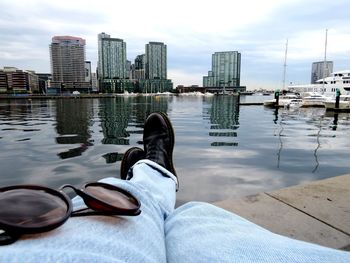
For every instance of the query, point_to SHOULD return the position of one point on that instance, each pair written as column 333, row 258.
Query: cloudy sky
column 192, row 30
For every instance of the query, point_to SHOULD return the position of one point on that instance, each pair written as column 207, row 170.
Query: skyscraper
column 68, row 62
column 112, row 68
column 226, row 70
column 318, row 68
column 156, row 61
column 139, row 67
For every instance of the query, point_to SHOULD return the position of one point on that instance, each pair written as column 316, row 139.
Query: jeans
column 194, row 232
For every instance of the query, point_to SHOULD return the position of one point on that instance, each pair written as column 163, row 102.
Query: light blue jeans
column 194, row 232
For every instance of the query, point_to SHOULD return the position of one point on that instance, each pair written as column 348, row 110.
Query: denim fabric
column 200, row 232
column 195, row 232
column 106, row 238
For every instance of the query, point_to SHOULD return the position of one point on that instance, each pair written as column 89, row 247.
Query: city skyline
column 191, row 31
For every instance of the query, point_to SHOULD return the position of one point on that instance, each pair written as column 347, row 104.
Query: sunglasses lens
column 112, row 196
column 31, row 208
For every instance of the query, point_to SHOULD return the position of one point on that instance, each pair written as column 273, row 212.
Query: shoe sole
column 172, row 138
column 123, row 171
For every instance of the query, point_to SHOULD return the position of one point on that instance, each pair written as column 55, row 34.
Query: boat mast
column 285, row 66
column 325, row 59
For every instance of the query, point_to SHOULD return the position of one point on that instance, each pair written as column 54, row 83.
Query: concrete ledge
column 317, row 212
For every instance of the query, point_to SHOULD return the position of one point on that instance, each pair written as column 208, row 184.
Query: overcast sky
column 192, row 30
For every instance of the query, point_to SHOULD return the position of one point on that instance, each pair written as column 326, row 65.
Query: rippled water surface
column 221, row 150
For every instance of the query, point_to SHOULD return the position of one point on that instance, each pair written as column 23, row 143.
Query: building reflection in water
column 125, row 115
column 24, row 116
column 23, row 110
column 74, row 118
column 114, row 114
column 224, row 120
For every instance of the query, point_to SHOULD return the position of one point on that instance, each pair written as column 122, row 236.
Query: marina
column 223, row 148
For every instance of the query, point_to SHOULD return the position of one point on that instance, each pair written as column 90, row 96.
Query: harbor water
column 222, row 149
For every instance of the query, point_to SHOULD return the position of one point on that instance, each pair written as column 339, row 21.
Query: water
column 221, row 150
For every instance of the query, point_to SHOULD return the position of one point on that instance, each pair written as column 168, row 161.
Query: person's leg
column 114, row 239
column 107, row 238
column 200, row 232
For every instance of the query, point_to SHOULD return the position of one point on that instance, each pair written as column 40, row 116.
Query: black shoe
column 159, row 140
column 132, row 156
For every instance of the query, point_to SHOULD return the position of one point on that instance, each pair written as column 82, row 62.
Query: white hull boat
column 314, row 100
column 283, row 101
column 344, row 103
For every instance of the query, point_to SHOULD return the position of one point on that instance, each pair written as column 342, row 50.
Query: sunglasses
column 30, row 209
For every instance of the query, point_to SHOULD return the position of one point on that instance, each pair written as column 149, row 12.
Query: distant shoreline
column 80, row 96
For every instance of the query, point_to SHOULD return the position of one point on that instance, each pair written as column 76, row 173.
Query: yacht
column 315, row 100
column 326, row 86
column 284, row 100
column 344, row 103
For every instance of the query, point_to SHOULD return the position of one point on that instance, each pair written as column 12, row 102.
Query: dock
column 316, row 212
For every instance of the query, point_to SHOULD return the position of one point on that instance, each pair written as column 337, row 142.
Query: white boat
column 295, row 103
column 315, row 100
column 338, row 79
column 344, row 103
column 283, row 101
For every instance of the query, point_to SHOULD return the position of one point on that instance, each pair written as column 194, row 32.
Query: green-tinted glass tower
column 226, row 70
column 112, row 68
column 156, row 61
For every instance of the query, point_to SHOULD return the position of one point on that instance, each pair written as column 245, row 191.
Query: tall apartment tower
column 67, row 62
column 139, row 67
column 156, row 61
column 318, row 68
column 111, row 57
column 111, row 62
column 88, row 71
column 226, row 70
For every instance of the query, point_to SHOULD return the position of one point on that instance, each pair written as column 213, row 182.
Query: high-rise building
column 68, row 63
column 94, row 82
column 226, row 70
column 112, row 69
column 138, row 70
column 318, row 68
column 153, row 64
column 128, row 69
column 88, row 71
column 156, row 61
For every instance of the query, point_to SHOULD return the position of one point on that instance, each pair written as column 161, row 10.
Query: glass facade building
column 318, row 68
column 117, row 75
column 226, row 70
column 111, row 57
column 156, row 61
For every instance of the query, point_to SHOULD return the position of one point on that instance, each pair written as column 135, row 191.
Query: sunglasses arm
column 7, row 238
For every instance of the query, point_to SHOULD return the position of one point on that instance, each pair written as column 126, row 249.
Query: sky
column 192, row 30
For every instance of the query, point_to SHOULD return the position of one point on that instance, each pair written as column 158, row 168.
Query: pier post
column 239, row 97
column 337, row 98
column 277, row 96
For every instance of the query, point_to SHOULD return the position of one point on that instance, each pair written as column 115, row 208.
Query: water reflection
column 73, row 122
column 318, row 121
column 221, row 150
column 113, row 157
column 224, row 117
column 121, row 113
